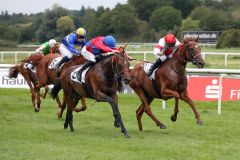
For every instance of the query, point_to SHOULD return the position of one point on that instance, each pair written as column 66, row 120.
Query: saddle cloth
column 30, row 66
column 146, row 67
column 54, row 63
column 74, row 74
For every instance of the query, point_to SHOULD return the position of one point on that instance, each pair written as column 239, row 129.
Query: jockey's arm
column 40, row 49
column 71, row 47
column 158, row 50
column 103, row 47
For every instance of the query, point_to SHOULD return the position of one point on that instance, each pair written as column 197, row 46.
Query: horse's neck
column 178, row 62
column 107, row 67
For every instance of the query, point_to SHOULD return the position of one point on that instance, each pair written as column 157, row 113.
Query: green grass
column 28, row 135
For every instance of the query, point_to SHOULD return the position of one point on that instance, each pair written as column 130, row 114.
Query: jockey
column 47, row 47
column 95, row 47
column 164, row 50
column 67, row 47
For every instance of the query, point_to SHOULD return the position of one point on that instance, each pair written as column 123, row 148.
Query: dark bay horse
column 100, row 84
column 170, row 82
column 31, row 79
column 48, row 76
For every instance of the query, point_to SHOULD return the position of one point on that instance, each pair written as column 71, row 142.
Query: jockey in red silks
column 95, row 47
column 164, row 50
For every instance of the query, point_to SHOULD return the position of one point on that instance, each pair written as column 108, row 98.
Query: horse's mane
column 34, row 59
column 189, row 39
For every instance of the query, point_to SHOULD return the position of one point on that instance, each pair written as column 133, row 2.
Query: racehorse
column 31, row 79
column 47, row 76
column 101, row 83
column 170, row 82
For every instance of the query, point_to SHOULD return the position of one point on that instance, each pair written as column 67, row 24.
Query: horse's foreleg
column 69, row 97
column 169, row 93
column 187, row 99
column 117, row 115
column 174, row 115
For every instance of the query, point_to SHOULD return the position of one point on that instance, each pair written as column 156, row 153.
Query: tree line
column 136, row 21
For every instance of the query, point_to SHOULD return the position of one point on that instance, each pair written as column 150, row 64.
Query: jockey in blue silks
column 67, row 47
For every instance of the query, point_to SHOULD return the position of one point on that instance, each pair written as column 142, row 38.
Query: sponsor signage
column 201, row 88
column 6, row 82
column 204, row 88
column 203, row 36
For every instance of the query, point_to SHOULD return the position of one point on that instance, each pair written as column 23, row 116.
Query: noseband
column 116, row 72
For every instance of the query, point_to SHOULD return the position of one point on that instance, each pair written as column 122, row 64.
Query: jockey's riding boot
column 154, row 66
column 63, row 60
column 85, row 66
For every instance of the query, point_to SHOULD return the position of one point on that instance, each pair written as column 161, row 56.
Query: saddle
column 75, row 72
column 146, row 67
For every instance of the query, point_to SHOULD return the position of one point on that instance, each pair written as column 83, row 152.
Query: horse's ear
column 125, row 46
column 197, row 38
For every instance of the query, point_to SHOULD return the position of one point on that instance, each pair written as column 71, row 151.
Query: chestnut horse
column 31, row 79
column 170, row 82
column 101, row 83
column 48, row 76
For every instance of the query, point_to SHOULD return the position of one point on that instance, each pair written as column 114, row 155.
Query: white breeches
column 88, row 55
column 65, row 52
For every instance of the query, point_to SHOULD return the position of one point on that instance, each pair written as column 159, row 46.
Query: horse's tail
column 13, row 71
column 56, row 88
column 34, row 59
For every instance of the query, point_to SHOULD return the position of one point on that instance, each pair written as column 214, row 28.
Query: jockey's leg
column 156, row 64
column 63, row 60
column 85, row 66
column 66, row 54
column 91, row 61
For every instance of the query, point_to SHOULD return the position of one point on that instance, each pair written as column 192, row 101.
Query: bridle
column 116, row 71
column 190, row 51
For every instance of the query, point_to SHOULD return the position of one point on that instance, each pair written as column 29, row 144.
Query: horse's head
column 122, row 64
column 193, row 52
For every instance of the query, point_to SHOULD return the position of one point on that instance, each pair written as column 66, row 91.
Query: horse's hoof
column 200, row 122
column 173, row 118
column 65, row 126
column 116, row 124
column 162, row 126
column 72, row 129
column 127, row 136
column 59, row 113
column 36, row 110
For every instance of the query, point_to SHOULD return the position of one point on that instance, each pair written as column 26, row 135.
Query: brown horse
column 100, row 84
column 170, row 82
column 31, row 79
column 48, row 76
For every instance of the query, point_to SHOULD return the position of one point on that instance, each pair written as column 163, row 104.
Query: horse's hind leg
column 84, row 106
column 146, row 102
column 46, row 91
column 61, row 108
column 174, row 115
column 139, row 113
column 187, row 99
